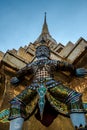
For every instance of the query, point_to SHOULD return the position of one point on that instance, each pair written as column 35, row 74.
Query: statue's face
column 42, row 51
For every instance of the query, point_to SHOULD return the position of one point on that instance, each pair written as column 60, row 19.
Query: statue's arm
column 25, row 70
column 21, row 73
column 65, row 66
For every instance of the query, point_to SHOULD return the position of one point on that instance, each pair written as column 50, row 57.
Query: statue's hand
column 81, row 72
column 14, row 80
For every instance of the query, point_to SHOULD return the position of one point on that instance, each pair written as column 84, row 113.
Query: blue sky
column 21, row 21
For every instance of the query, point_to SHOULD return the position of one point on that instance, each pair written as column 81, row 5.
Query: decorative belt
column 41, row 86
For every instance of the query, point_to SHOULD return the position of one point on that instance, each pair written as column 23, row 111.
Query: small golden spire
column 45, row 18
column 45, row 26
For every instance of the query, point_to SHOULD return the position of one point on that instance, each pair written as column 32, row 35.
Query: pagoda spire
column 45, row 35
column 45, row 26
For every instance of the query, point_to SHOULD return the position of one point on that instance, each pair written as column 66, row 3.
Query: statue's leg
column 73, row 101
column 17, row 109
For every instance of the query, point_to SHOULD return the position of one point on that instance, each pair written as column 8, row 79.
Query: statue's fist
column 80, row 72
column 14, row 80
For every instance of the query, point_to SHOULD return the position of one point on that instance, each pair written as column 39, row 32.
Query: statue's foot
column 81, row 128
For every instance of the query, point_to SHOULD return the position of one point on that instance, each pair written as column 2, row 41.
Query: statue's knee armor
column 17, row 109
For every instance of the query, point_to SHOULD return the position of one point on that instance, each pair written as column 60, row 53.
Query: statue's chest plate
column 41, row 65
